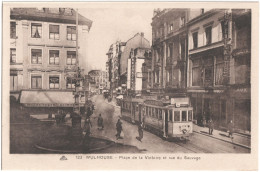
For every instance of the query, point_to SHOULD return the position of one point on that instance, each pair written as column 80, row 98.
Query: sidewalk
column 238, row 139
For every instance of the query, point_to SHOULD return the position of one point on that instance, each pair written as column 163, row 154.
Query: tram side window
column 190, row 115
column 177, row 116
column 160, row 114
column 153, row 110
column 147, row 113
column 184, row 115
column 170, row 115
column 156, row 113
column 150, row 111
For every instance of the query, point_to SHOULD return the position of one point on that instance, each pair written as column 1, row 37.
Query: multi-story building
column 219, row 67
column 113, row 63
column 137, row 41
column 169, row 50
column 43, row 49
column 135, row 73
column 204, row 54
column 98, row 79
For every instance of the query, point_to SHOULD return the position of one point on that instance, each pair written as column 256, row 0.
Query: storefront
column 48, row 101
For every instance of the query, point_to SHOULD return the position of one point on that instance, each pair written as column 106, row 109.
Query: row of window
column 176, row 116
column 160, row 31
column 54, row 82
column 54, row 56
column 208, row 34
column 54, row 31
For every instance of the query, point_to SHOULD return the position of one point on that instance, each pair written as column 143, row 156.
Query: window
column 170, row 115
column 36, row 56
column 13, row 83
column 242, row 69
column 196, row 72
column 195, row 39
column 54, row 57
column 54, row 82
column 36, row 31
column 182, row 22
column 13, row 55
column 219, row 70
column 70, row 83
column 208, row 35
column 36, row 82
column 190, row 115
column 71, row 33
column 54, row 32
column 171, row 28
column 13, row 30
column 160, row 114
column 71, row 57
column 208, row 76
column 177, row 116
column 184, row 115
column 223, row 29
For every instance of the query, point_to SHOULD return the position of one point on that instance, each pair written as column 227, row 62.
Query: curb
column 244, row 146
column 71, row 151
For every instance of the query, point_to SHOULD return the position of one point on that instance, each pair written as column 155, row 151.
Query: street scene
column 170, row 80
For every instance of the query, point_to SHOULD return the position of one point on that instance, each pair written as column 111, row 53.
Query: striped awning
column 48, row 98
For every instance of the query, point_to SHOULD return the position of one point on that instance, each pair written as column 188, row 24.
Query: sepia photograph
column 101, row 81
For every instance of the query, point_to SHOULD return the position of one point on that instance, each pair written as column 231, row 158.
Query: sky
column 110, row 25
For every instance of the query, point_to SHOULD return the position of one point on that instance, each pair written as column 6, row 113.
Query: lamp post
column 76, row 117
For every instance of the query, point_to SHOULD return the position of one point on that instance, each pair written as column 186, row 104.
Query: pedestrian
column 204, row 122
column 119, row 129
column 140, row 132
column 87, row 127
column 211, row 126
column 230, row 128
column 100, row 122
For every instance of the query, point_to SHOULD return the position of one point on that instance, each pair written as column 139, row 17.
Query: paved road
column 151, row 143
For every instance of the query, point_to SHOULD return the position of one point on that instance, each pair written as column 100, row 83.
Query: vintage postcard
column 130, row 86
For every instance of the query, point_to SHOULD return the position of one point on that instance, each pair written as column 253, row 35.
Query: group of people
column 211, row 126
column 119, row 128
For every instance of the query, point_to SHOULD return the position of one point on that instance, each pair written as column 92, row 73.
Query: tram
column 169, row 119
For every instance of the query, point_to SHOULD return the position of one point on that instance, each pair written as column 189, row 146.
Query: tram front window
column 184, row 115
column 189, row 115
column 177, row 116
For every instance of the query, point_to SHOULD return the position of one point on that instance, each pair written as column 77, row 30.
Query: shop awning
column 48, row 98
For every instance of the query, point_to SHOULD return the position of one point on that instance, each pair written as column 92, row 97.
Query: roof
column 61, row 15
column 47, row 98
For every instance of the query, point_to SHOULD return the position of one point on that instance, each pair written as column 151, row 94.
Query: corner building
column 43, row 50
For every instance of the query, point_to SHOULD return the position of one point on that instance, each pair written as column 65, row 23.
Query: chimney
column 142, row 34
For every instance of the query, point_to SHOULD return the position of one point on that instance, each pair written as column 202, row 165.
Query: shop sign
column 47, row 105
column 241, row 90
column 238, row 52
column 154, row 102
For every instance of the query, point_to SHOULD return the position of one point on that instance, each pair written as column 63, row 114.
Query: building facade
column 170, row 50
column 219, row 67
column 43, row 48
column 137, row 41
column 135, row 72
column 98, row 80
column 206, row 55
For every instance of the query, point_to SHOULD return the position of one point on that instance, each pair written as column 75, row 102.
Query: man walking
column 119, row 129
column 211, row 126
column 140, row 132
column 100, row 122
